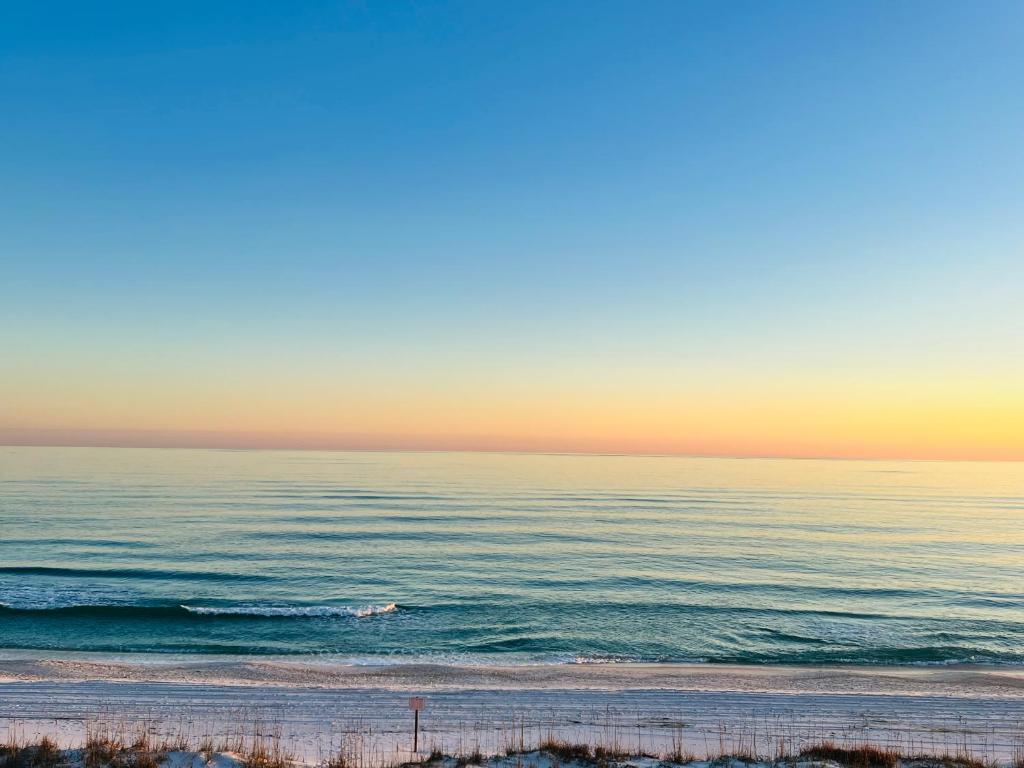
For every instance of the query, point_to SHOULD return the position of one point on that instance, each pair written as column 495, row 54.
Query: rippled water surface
column 510, row 558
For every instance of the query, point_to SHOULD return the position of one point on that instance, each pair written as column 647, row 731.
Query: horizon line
column 339, row 443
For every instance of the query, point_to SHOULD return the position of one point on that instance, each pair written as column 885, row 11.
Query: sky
column 714, row 228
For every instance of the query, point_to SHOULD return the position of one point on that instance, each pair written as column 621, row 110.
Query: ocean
column 505, row 559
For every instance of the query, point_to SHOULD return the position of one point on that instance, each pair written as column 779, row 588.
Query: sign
column 416, row 704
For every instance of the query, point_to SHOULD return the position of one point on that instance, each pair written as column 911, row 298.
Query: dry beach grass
column 256, row 746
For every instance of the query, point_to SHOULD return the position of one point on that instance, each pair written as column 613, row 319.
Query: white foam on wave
column 293, row 610
column 375, row 610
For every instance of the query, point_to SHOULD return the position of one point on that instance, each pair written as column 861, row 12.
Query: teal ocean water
column 507, row 559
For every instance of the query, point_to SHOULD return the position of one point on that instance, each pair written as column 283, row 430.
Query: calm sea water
column 367, row 557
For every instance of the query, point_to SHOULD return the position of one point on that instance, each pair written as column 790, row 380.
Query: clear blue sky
column 506, row 204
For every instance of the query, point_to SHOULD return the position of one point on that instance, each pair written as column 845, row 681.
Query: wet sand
column 957, row 681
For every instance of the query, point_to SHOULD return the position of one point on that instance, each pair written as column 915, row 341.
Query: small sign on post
column 416, row 704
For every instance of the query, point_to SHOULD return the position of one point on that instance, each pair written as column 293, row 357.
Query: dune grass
column 43, row 754
column 263, row 748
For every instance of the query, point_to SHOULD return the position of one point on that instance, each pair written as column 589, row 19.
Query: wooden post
column 416, row 704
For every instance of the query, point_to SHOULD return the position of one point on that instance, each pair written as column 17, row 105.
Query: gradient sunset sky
column 725, row 228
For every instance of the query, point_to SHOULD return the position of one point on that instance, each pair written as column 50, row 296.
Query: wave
column 917, row 656
column 793, row 637
column 293, row 611
column 250, row 611
column 129, row 573
column 78, row 543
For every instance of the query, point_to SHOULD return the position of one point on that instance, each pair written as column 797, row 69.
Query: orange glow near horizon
column 879, row 424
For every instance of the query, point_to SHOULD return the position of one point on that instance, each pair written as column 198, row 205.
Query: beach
column 646, row 604
column 314, row 707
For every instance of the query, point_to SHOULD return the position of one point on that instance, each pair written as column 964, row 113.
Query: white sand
column 316, row 707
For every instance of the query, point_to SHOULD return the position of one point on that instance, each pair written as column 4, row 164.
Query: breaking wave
column 291, row 611
column 254, row 611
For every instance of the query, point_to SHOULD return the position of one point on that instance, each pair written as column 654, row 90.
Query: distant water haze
column 369, row 557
